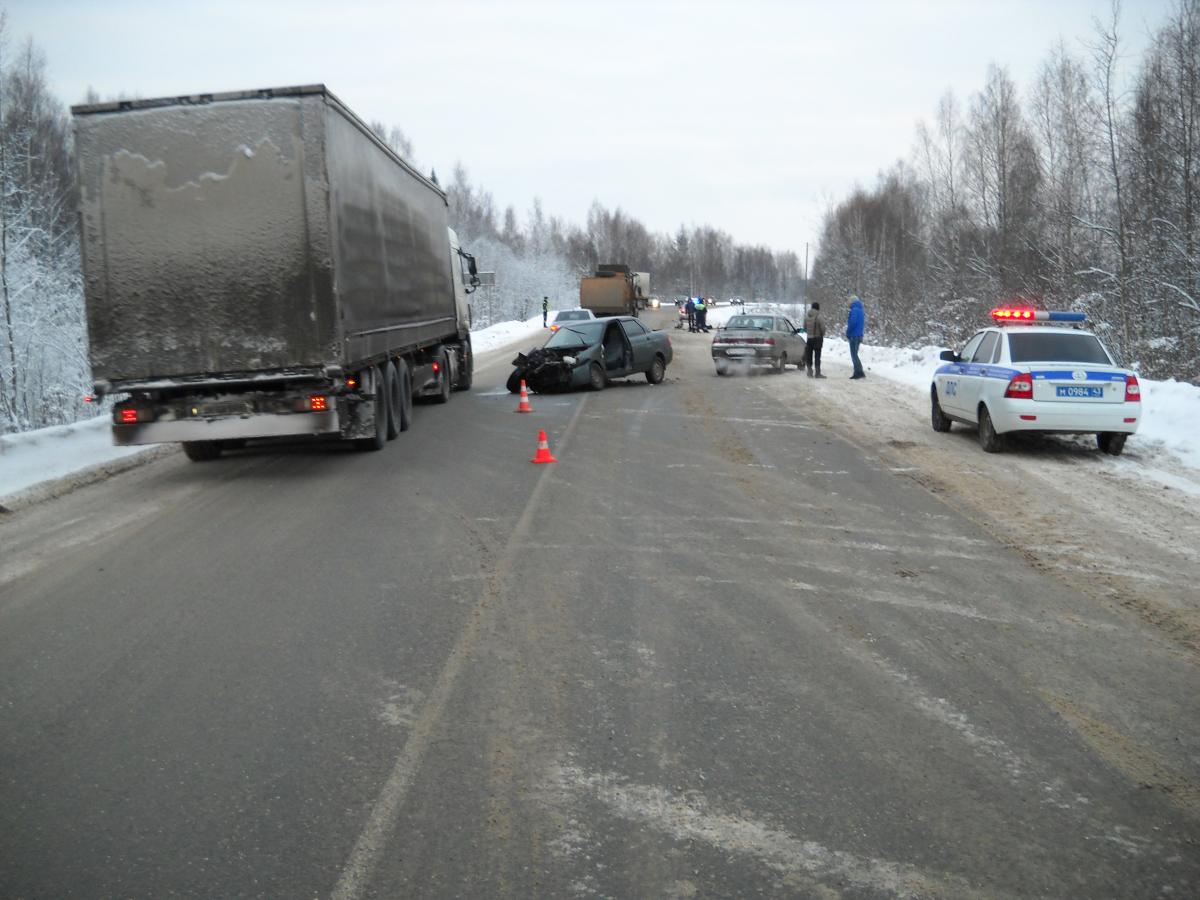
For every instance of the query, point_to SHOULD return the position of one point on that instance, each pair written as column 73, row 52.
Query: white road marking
column 372, row 841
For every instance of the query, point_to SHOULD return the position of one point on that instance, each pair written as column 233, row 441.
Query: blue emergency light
column 1006, row 314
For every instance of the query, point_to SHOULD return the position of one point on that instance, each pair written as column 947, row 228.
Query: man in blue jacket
column 855, row 325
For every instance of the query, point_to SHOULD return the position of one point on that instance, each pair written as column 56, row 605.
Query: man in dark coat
column 815, row 329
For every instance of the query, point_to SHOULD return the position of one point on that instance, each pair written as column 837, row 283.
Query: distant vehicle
column 570, row 315
column 592, row 353
column 1032, row 372
column 758, row 340
column 612, row 291
column 261, row 264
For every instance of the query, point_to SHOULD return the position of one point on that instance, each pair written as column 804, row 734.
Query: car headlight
column 569, row 360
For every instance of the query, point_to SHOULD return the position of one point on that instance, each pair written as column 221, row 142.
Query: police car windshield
column 577, row 335
column 1057, row 347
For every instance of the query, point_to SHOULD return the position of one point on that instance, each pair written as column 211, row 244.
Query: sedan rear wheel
column 777, row 368
column 1111, row 443
column 988, row 439
column 657, row 371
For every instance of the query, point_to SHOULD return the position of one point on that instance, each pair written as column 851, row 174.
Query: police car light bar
column 1004, row 314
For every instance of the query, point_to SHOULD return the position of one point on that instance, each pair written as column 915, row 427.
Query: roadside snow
column 1170, row 423
column 49, row 453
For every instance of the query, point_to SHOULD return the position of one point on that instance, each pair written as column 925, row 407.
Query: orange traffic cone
column 524, row 406
column 543, row 454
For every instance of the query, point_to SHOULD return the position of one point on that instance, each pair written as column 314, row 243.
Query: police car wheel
column 941, row 422
column 988, row 439
column 1111, row 443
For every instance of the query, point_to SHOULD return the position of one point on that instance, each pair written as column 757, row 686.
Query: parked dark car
column 590, row 354
column 758, row 339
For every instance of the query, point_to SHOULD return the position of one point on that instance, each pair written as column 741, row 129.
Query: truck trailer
column 611, row 291
column 260, row 264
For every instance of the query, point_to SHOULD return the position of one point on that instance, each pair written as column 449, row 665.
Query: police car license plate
column 1070, row 390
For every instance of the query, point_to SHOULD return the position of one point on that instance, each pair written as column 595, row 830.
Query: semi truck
column 612, row 291
column 260, row 264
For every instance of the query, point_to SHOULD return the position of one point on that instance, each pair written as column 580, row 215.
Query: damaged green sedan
column 590, row 354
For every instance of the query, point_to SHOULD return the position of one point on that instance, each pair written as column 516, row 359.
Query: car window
column 1057, row 347
column 786, row 325
column 969, row 350
column 984, row 353
column 572, row 315
column 633, row 328
column 999, row 348
column 577, row 334
column 753, row 323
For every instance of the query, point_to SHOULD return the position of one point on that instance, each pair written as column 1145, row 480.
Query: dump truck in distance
column 612, row 291
column 260, row 264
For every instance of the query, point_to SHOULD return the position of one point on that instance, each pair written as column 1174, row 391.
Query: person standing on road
column 815, row 329
column 856, row 324
column 701, row 314
column 545, row 310
column 691, row 313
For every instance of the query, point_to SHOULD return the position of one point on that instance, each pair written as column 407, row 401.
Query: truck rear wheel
column 379, row 439
column 404, row 386
column 392, row 386
column 201, row 451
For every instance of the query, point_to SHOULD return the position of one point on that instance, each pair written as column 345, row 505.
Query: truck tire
column 404, row 386
column 466, row 375
column 443, row 394
column 379, row 439
column 201, row 451
column 392, row 384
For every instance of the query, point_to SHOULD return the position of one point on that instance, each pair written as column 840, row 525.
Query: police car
column 1036, row 371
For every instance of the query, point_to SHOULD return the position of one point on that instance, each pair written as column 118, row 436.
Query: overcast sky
column 750, row 116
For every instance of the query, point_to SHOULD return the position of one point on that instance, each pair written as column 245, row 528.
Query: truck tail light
column 1020, row 387
column 1133, row 390
column 318, row 403
column 131, row 415
column 437, row 367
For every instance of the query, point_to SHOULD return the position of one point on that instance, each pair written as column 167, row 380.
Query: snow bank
column 46, row 454
column 1170, row 409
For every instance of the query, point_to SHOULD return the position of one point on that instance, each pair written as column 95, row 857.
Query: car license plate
column 1070, row 390
column 740, row 351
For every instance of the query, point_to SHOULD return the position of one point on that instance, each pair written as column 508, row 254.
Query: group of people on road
column 856, row 322
column 696, row 311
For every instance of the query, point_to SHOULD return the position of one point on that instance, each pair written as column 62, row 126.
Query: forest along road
column 727, row 645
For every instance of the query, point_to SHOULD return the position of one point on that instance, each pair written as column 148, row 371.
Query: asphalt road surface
column 714, row 651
